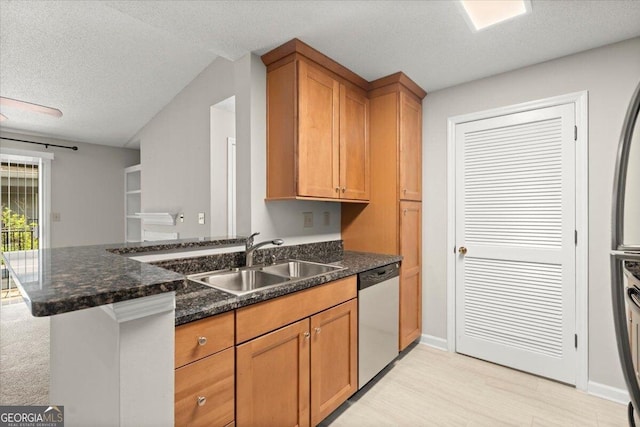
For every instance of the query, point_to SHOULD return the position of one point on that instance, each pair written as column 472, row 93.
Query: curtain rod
column 46, row 144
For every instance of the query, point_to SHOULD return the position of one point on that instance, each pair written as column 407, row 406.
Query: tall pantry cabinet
column 391, row 221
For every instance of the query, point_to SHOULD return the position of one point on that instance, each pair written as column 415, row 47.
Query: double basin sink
column 240, row 281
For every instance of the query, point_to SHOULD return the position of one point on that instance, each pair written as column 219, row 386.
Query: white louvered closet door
column 515, row 215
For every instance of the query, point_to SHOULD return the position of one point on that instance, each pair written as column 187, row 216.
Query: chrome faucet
column 250, row 247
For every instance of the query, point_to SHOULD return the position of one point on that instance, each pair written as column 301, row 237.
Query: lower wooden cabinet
column 273, row 378
column 204, row 391
column 334, row 358
column 410, row 280
column 205, row 372
column 300, row 373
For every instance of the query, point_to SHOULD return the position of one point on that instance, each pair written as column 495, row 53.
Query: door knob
column 462, row 250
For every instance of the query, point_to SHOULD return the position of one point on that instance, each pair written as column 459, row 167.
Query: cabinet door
column 204, row 392
column 272, row 382
column 410, row 148
column 410, row 283
column 318, row 133
column 334, row 358
column 354, row 144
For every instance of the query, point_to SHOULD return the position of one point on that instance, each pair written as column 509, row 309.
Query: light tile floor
column 429, row 387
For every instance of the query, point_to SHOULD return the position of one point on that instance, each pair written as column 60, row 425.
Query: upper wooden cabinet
column 410, row 141
column 317, row 127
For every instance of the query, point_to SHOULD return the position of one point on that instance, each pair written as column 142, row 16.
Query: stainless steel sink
column 245, row 280
column 299, row 269
column 239, row 282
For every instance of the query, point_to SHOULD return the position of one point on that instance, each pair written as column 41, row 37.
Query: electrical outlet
column 326, row 218
column 55, row 216
column 308, row 219
column 201, row 218
column 181, row 217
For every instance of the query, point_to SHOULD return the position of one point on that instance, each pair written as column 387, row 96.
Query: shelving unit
column 132, row 204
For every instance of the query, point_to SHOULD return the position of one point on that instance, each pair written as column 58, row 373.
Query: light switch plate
column 201, row 218
column 308, row 219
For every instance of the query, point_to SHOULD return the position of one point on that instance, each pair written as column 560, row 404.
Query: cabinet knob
column 202, row 400
column 404, row 191
column 337, row 189
column 318, row 330
column 202, row 340
column 344, row 189
column 307, row 335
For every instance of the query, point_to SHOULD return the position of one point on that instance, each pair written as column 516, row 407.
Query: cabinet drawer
column 204, row 337
column 266, row 316
column 211, row 378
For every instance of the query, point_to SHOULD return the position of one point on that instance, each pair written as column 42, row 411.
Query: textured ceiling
column 110, row 66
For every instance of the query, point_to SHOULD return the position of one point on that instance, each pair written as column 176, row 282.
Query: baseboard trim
column 435, row 342
column 618, row 395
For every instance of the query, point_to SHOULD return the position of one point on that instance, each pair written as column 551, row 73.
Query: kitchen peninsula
column 113, row 318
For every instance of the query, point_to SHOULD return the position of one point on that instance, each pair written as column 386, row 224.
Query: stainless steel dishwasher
column 378, row 311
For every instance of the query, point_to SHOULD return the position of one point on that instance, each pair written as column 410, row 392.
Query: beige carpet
column 24, row 356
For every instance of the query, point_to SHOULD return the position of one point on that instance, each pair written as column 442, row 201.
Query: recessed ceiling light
column 481, row 14
column 29, row 106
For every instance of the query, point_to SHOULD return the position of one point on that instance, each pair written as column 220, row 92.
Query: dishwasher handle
column 377, row 275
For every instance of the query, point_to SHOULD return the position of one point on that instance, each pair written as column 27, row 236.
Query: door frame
column 580, row 99
column 43, row 159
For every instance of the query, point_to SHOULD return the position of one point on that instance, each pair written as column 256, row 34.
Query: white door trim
column 44, row 178
column 580, row 99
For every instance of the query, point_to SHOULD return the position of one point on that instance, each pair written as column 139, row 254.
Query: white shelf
column 157, row 218
column 132, row 199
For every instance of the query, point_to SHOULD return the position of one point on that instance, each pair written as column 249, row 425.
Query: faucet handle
column 249, row 242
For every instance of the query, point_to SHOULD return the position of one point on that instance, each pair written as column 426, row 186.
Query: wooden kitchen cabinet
column 205, row 372
column 410, row 289
column 334, row 358
column 317, row 127
column 381, row 226
column 300, row 362
column 204, row 391
column 273, row 378
column 410, row 142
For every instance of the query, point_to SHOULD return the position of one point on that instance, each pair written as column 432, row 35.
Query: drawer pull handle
column 202, row 400
column 318, row 331
column 306, row 335
column 202, row 340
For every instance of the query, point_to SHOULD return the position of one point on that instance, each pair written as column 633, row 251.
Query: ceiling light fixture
column 481, row 14
column 29, row 106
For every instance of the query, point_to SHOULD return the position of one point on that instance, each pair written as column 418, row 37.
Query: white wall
column 223, row 126
column 610, row 75
column 175, row 151
column 175, row 159
column 87, row 189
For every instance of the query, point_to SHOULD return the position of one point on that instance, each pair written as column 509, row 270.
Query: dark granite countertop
column 60, row 280
column 196, row 301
